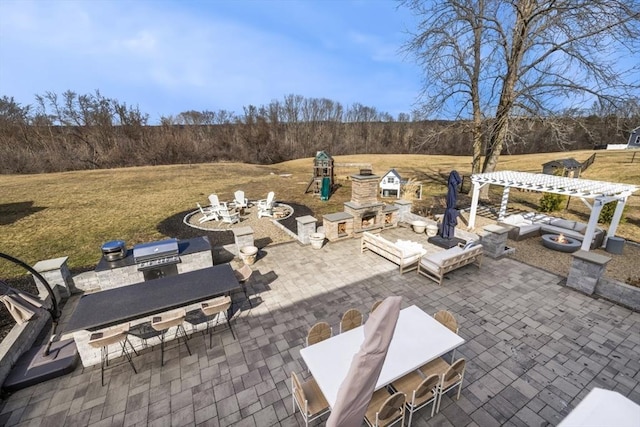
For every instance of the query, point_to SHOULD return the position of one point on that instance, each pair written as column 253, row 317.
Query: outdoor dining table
column 417, row 339
column 134, row 303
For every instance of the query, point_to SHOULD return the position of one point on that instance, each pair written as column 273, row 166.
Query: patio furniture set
column 413, row 375
column 200, row 297
column 229, row 212
column 522, row 226
column 411, row 256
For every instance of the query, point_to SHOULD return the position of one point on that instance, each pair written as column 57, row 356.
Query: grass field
column 73, row 213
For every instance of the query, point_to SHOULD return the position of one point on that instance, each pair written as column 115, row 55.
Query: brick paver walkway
column 534, row 348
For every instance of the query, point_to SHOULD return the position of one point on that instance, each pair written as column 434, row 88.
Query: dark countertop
column 120, row 305
column 185, row 247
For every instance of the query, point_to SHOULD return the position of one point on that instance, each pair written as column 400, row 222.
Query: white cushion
column 439, row 257
column 562, row 223
column 410, row 248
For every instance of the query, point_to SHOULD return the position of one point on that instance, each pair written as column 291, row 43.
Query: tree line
column 74, row 132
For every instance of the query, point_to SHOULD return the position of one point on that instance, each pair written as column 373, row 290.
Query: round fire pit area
column 248, row 216
column 560, row 243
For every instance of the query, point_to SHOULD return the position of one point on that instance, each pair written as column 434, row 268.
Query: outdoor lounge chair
column 207, row 214
column 216, row 204
column 384, row 409
column 228, row 217
column 420, row 391
column 265, row 206
column 308, row 398
column 239, row 200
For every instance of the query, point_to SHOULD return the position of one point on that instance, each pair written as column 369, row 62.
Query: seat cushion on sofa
column 562, row 223
column 546, row 229
column 516, row 220
column 580, row 227
column 439, row 257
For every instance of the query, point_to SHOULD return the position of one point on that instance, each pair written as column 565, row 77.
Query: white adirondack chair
column 239, row 200
column 265, row 206
column 208, row 214
column 228, row 217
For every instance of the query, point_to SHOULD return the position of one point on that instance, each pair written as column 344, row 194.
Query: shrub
column 606, row 214
column 550, row 202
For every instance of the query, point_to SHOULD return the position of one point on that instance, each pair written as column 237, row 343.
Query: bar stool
column 164, row 322
column 211, row 311
column 243, row 274
column 106, row 337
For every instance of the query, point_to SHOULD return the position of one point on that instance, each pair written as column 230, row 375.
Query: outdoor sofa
column 524, row 226
column 435, row 266
column 404, row 253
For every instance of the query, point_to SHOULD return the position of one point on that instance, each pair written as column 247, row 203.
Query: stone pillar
column 494, row 240
column 56, row 273
column 586, row 270
column 243, row 236
column 306, row 226
column 404, row 209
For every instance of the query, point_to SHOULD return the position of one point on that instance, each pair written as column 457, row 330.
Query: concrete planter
column 316, row 240
column 419, row 226
column 248, row 254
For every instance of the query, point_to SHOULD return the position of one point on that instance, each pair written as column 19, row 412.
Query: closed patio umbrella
column 357, row 388
column 450, row 219
column 21, row 305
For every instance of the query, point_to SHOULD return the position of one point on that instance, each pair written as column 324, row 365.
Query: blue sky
column 172, row 56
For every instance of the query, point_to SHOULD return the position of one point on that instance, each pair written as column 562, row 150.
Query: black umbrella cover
column 450, row 219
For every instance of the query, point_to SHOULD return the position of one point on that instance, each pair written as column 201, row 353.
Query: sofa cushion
column 580, row 227
column 409, row 248
column 562, row 223
column 470, row 244
column 439, row 257
column 514, row 219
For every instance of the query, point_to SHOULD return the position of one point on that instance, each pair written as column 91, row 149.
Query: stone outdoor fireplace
column 367, row 212
column 362, row 213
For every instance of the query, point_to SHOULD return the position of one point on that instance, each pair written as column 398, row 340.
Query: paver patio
column 534, row 348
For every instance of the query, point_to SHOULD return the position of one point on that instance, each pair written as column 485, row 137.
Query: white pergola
column 601, row 192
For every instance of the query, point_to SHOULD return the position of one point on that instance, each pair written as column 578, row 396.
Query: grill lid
column 113, row 246
column 154, row 250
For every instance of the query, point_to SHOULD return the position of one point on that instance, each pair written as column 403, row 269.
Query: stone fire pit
column 561, row 244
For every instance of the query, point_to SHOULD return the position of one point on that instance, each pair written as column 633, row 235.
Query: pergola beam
column 602, row 192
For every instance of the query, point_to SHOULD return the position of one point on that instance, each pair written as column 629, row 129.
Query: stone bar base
column 306, row 226
column 586, row 270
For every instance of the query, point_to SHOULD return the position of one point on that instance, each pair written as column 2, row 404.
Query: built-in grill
column 159, row 258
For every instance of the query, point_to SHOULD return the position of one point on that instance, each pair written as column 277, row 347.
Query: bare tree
column 502, row 60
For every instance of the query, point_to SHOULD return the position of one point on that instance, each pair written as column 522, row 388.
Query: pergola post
column 593, row 222
column 474, row 204
column 503, row 203
column 617, row 215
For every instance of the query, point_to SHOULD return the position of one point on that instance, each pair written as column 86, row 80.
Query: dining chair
column 450, row 376
column 308, row 398
column 319, row 332
column 375, row 305
column 351, row 319
column 447, row 319
column 421, row 391
column 165, row 321
column 104, row 338
column 384, row 409
column 211, row 312
column 243, row 274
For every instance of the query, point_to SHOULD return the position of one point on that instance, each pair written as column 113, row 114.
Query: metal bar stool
column 164, row 322
column 106, row 337
column 211, row 311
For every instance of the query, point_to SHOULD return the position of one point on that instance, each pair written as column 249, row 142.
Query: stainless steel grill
column 156, row 254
